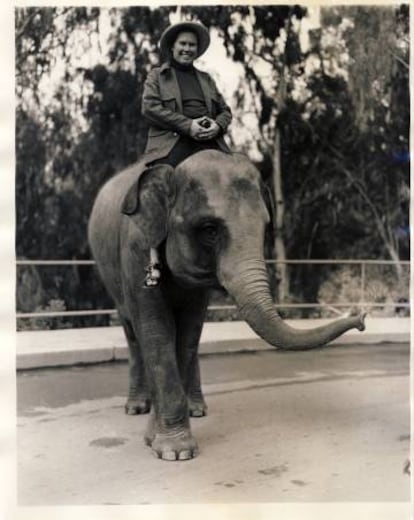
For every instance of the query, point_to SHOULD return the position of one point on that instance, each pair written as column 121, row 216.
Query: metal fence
column 332, row 306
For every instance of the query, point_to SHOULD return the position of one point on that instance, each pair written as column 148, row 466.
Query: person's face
column 185, row 48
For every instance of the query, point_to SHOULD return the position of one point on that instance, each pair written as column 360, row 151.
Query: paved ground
column 328, row 425
column 43, row 348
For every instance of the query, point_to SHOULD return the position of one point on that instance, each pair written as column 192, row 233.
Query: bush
column 46, row 323
column 382, row 285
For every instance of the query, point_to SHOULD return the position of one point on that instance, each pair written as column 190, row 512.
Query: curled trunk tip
column 361, row 316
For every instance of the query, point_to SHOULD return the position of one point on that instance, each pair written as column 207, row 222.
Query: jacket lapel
column 205, row 87
column 169, row 85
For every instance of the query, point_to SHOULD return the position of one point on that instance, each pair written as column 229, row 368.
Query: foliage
column 378, row 286
column 329, row 122
column 70, row 140
column 45, row 323
column 346, row 181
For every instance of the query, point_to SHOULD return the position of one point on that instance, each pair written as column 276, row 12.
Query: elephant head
column 211, row 212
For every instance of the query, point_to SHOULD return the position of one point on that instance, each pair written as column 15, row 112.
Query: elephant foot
column 137, row 405
column 177, row 444
column 197, row 407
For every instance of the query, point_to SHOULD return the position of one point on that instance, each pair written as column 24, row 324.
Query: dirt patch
column 108, row 442
column 275, row 471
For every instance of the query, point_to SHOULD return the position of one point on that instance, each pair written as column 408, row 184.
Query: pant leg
column 184, row 148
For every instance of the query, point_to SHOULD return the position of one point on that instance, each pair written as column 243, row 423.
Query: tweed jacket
column 162, row 106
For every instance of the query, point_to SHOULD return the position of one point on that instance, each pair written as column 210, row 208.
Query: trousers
column 185, row 147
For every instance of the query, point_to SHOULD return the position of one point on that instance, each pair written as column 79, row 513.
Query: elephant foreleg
column 168, row 432
column 189, row 320
column 138, row 394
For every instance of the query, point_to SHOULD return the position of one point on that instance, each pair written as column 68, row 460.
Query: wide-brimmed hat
column 170, row 34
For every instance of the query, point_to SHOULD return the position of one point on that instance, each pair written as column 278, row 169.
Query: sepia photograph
column 212, row 257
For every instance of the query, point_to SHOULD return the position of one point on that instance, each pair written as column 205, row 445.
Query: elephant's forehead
column 195, row 197
column 217, row 194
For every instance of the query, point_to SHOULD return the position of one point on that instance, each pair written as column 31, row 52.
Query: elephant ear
column 148, row 202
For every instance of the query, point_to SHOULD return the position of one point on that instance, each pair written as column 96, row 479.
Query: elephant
column 207, row 217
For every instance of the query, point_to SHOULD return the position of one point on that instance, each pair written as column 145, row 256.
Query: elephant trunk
column 247, row 282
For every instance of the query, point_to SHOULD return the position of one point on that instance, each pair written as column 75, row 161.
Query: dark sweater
column 192, row 96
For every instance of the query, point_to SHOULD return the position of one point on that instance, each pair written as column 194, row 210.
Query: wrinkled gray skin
column 210, row 216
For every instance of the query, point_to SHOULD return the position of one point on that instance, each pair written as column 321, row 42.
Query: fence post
column 362, row 296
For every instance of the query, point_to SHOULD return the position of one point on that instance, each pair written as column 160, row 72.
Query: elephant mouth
column 198, row 279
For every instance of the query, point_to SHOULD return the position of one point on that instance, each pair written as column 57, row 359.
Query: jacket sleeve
column 158, row 114
column 224, row 115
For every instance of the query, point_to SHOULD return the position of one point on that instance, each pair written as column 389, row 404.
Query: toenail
column 184, row 455
column 169, row 455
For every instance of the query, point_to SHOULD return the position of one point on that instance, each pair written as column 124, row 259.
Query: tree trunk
column 282, row 273
column 279, row 242
column 392, row 251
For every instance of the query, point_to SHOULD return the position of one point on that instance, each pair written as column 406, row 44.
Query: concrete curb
column 66, row 347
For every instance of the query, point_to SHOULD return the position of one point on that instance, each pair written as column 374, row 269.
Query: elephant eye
column 208, row 233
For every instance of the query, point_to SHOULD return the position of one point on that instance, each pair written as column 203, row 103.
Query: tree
column 379, row 87
column 346, row 166
column 75, row 126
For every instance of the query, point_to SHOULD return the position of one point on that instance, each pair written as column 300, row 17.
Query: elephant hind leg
column 138, row 401
column 196, row 402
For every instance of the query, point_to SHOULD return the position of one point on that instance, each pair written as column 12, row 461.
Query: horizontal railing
column 270, row 261
column 334, row 306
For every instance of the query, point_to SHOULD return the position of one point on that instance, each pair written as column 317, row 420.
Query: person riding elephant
column 186, row 111
column 209, row 215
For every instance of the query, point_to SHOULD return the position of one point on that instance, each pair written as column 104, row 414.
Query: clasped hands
column 200, row 132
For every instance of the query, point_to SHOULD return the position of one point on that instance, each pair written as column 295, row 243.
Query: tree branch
column 400, row 60
column 26, row 22
column 387, row 237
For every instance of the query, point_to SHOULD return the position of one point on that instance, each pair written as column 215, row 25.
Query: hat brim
column 170, row 34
